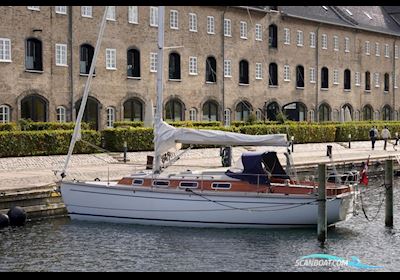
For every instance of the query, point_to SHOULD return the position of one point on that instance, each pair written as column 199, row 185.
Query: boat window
column 158, row 183
column 137, row 182
column 221, row 186
column 190, row 185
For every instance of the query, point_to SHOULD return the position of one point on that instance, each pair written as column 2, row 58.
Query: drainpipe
column 393, row 79
column 316, row 117
column 71, row 76
column 223, row 66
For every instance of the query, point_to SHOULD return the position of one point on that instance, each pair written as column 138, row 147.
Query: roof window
column 350, row 13
column 368, row 15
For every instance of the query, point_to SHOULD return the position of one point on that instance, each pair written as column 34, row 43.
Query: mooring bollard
column 322, row 213
column 389, row 193
column 125, row 150
column 349, row 141
column 292, row 142
column 329, row 151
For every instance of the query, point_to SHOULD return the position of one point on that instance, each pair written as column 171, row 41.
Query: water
column 64, row 245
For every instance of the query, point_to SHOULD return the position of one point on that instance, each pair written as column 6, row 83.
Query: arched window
column 386, row 81
column 259, row 115
column 33, row 55
column 273, row 74
column 86, row 57
column 5, row 115
column 34, row 107
column 110, row 117
column 324, row 112
column 174, row 66
column 367, row 81
column 243, row 111
column 368, row 113
column 272, row 111
column 91, row 114
column 347, row 113
column 210, row 111
column 347, row 79
column 324, row 77
column 387, row 113
column 227, row 117
column 295, row 111
column 174, row 110
column 243, row 72
column 211, row 70
column 300, row 76
column 133, row 110
column 61, row 114
column 133, row 57
column 193, row 114
column 273, row 36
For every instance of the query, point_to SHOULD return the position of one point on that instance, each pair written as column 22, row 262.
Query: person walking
column 373, row 135
column 385, row 136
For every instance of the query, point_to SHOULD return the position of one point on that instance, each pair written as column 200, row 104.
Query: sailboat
column 256, row 193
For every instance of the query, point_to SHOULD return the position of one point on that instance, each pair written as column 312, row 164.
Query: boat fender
column 4, row 221
column 17, row 216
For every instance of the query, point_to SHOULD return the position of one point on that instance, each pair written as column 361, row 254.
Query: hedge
column 32, row 126
column 8, row 126
column 126, row 124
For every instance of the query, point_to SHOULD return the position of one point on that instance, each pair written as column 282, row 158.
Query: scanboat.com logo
column 330, row 260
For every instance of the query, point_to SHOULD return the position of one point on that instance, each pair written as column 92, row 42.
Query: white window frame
column 227, row 117
column 87, row 11
column 193, row 65
column 258, row 32
column 286, row 36
column 258, row 115
column 61, row 114
column 174, row 19
column 111, row 13
column 5, row 50
column 153, row 16
column 386, row 50
column 347, row 44
column 110, row 112
column 5, row 113
column 335, row 76
column 312, row 75
column 312, row 40
column 300, row 38
column 396, row 51
column 192, row 22
column 62, row 10
column 376, row 79
column 193, row 114
column 324, row 44
column 367, row 48
column 336, row 43
column 377, row 49
column 153, row 62
column 395, row 80
column 34, row 8
column 357, row 79
column 111, row 59
column 133, row 14
column 243, row 30
column 227, row 68
column 259, row 71
column 61, row 54
column 227, row 27
column 210, row 25
column 286, row 73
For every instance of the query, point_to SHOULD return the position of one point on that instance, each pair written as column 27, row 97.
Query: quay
column 30, row 182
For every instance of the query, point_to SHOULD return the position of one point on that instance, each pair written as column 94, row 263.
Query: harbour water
column 64, row 245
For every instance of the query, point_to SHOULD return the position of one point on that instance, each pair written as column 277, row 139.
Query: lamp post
column 349, row 141
column 292, row 141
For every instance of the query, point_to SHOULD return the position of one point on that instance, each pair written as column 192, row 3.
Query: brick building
column 315, row 63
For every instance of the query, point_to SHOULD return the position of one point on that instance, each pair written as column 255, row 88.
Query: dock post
column 322, row 213
column 125, row 150
column 389, row 193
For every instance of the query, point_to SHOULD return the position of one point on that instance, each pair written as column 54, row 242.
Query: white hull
column 166, row 207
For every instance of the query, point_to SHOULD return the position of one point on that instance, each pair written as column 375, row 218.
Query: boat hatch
column 137, row 182
column 161, row 183
column 190, row 185
column 225, row 186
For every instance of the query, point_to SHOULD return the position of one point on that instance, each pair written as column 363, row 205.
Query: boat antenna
column 159, row 106
column 76, row 136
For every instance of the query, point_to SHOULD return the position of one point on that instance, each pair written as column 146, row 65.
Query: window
column 137, row 182
column 377, row 51
column 243, row 30
column 347, row 79
column 61, row 55
column 273, row 74
column 192, row 65
column 312, row 40
column 133, row 14
column 335, row 43
column 272, row 111
column 86, row 11
column 335, row 77
column 227, row 28
column 346, row 44
column 173, row 19
column 153, row 62
column 111, row 59
column 367, row 48
column 386, row 50
column 312, row 75
column 210, row 111
column 243, row 72
column 133, row 110
column 110, row 117
column 324, row 112
column 61, row 114
column 161, row 183
column 367, row 113
column 259, row 72
column 61, row 10
column 4, row 114
column 174, row 66
column 211, row 70
column 33, row 55
column 190, row 185
column 224, row 186
column 394, row 80
column 5, row 50
column 86, row 53
column 273, row 36
column 34, row 8
column 386, row 113
column 376, row 79
column 324, row 78
column 357, row 79
column 324, row 41
column 111, row 13
column 259, row 115
column 227, row 68
column 243, row 111
column 192, row 114
column 367, row 81
column 299, row 38
column 133, row 63
column 286, row 73
column 34, row 107
column 227, row 117
column 258, row 32
column 210, row 25
column 300, row 76
column 386, row 82
column 192, row 22
column 174, row 110
column 154, row 16
column 396, row 51
column 286, row 32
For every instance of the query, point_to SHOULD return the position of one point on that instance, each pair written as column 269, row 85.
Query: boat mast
column 159, row 106
column 76, row 136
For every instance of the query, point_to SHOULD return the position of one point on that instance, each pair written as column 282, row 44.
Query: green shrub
column 27, row 125
column 128, row 124
column 8, row 126
column 138, row 139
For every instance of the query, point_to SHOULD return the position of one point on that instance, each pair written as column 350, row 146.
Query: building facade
column 315, row 63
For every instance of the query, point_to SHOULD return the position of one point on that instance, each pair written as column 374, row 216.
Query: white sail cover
column 168, row 136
